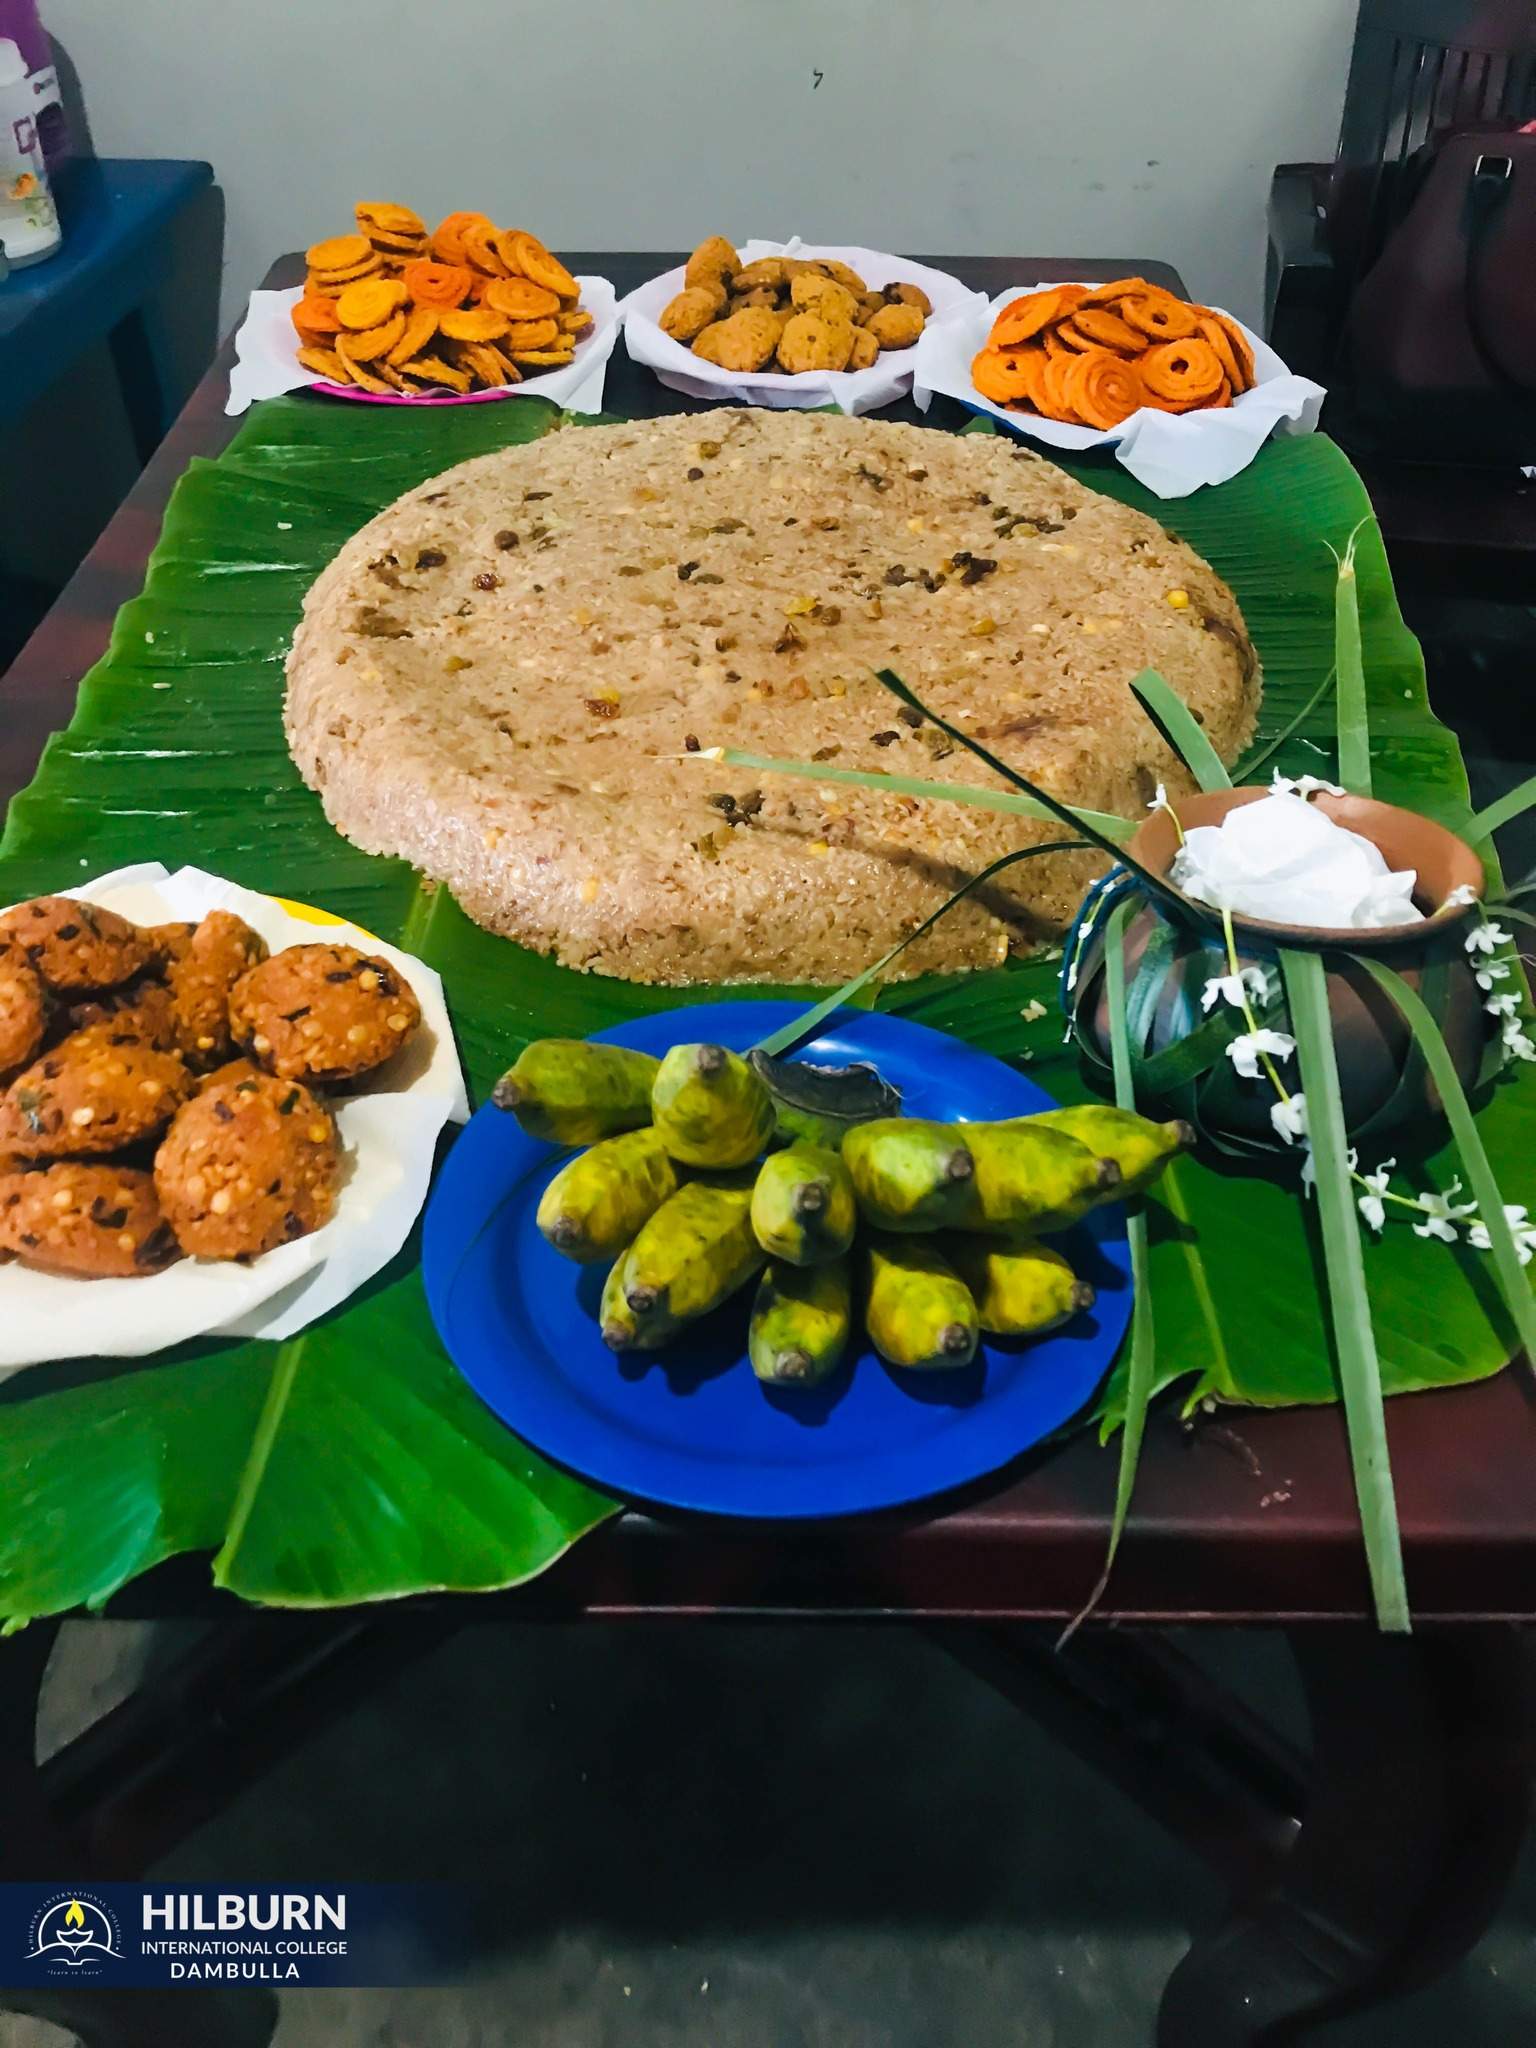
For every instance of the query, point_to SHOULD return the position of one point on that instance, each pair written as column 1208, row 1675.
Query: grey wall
column 1104, row 127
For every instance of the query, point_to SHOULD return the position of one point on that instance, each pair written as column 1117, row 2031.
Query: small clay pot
column 1371, row 1041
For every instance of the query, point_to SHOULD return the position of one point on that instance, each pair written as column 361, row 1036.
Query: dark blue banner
column 133, row 1934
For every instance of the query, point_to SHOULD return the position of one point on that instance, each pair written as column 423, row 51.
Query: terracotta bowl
column 1370, row 1038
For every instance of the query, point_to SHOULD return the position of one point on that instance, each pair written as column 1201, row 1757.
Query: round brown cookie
column 74, row 945
column 870, row 304
column 222, row 948
column 865, row 351
column 322, row 1013
column 761, row 295
column 896, row 326
column 171, row 940
column 250, row 1163
column 824, row 295
column 690, row 312
column 743, row 342
column 712, row 262
column 140, row 1009
column 239, row 1069
column 909, row 295
column 94, row 1092
column 766, row 271
column 23, row 1007
column 811, row 343
column 846, row 276
column 94, row 1220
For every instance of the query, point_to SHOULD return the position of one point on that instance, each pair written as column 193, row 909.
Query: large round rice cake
column 510, row 675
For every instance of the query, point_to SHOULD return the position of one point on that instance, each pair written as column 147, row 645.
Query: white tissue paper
column 266, row 361
column 1171, row 453
column 1283, row 860
column 851, row 391
column 389, row 1134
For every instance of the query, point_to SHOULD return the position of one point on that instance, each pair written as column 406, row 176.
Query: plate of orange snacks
column 399, row 314
column 1121, row 364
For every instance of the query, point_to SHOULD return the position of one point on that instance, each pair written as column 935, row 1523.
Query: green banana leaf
column 352, row 1463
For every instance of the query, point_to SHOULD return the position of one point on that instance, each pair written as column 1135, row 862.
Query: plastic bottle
column 29, row 226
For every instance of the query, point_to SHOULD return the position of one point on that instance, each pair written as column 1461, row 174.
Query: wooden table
column 1414, row 1795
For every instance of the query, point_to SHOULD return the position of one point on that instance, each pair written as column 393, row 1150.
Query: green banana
column 695, row 1251
column 801, row 1322
column 598, row 1200
column 1020, row 1290
column 803, row 1209
column 1028, row 1179
column 919, row 1312
column 910, row 1175
column 1139, row 1147
column 710, row 1108
column 620, row 1325
column 573, row 1092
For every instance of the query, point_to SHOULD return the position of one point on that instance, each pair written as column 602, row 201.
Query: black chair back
column 1420, row 68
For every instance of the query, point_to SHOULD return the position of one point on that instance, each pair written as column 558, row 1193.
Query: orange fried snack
column 448, row 236
column 420, row 326
column 534, row 261
column 437, row 284
column 370, row 303
column 480, row 250
column 473, row 323
column 380, row 216
column 1002, row 375
column 341, row 252
column 1179, row 375
column 1160, row 316
column 1103, row 388
column 315, row 318
column 520, row 299
column 1026, row 317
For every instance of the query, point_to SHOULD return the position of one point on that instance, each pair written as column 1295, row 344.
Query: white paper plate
column 852, row 391
column 389, row 1133
column 1171, row 453
column 266, row 362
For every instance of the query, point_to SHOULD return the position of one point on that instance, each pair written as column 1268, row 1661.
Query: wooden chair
column 1420, row 68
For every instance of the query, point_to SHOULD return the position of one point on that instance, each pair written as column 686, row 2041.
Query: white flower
column 1371, row 1205
column 1289, row 1117
column 1244, row 1051
column 1516, row 1043
column 1521, row 1229
column 1302, row 785
column 1503, row 1006
column 1160, row 800
column 1441, row 1214
column 1490, row 972
column 1309, row 1166
column 1229, row 988
column 1486, row 938
column 1460, row 896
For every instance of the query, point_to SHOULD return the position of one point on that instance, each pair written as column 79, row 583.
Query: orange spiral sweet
column 1103, row 388
column 436, row 284
column 1182, row 373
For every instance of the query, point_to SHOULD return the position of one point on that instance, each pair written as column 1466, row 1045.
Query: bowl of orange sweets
column 396, row 312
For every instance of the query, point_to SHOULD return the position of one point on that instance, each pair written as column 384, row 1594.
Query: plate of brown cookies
column 788, row 324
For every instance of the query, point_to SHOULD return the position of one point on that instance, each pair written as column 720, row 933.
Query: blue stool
column 131, row 228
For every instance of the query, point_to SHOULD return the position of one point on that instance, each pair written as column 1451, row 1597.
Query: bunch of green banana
column 573, row 1092
column 803, row 1209
column 1139, row 1147
column 691, row 1255
column 910, row 1175
column 709, row 1108
column 802, row 1319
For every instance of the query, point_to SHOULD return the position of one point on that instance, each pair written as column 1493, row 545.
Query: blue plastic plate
column 690, row 1426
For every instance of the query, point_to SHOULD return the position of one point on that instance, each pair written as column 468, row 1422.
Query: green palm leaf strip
column 1105, row 824
column 1353, row 716
column 1248, row 768
column 1143, row 1353
column 1182, row 728
column 802, row 1026
column 1306, row 988
column 1519, row 799
column 1514, row 1286
column 1075, row 821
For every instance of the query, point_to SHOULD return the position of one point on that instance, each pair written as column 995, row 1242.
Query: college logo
column 74, row 1934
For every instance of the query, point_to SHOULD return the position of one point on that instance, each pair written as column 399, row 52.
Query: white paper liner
column 851, row 391
column 1171, row 453
column 389, row 1134
column 266, row 362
